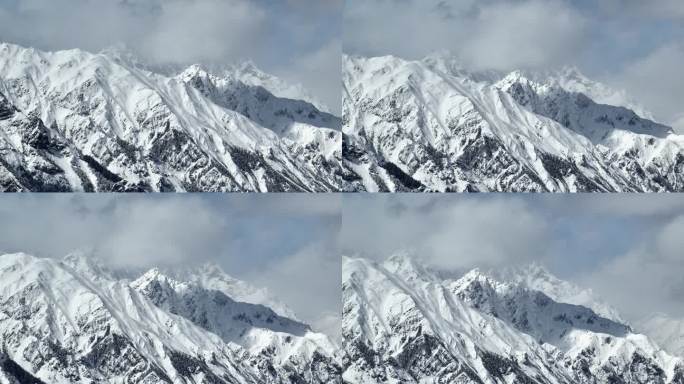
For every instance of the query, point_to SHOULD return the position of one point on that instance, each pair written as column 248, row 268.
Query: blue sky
column 626, row 247
column 299, row 40
column 633, row 45
column 287, row 243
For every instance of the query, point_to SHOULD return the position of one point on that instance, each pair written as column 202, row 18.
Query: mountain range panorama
column 75, row 320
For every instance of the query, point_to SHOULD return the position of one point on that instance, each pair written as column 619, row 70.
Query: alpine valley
column 76, row 121
column 433, row 125
column 404, row 323
column 76, row 321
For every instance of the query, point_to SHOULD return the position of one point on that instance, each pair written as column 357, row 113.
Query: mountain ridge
column 430, row 125
column 60, row 324
column 404, row 325
column 73, row 120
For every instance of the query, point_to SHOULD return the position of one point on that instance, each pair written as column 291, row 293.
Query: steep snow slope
column 72, row 120
column 431, row 125
column 403, row 324
column 63, row 325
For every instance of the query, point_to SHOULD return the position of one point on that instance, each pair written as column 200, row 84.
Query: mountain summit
column 431, row 125
column 407, row 325
column 70, row 322
column 76, row 121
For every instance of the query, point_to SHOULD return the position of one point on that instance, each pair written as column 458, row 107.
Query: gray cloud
column 286, row 243
column 448, row 233
column 319, row 72
column 276, row 35
column 648, row 277
column 484, row 34
column 310, row 279
column 656, row 79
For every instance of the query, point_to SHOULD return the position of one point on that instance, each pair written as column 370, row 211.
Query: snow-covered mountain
column 404, row 324
column 72, row 121
column 433, row 125
column 70, row 321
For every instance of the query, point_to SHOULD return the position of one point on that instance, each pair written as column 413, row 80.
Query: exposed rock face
column 75, row 121
column 431, row 125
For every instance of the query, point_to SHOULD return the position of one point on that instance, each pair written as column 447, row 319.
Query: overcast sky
column 634, row 45
column 626, row 247
column 286, row 243
column 299, row 40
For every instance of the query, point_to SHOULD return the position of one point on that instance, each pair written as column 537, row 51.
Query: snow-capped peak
column 404, row 263
column 482, row 329
column 419, row 125
column 77, row 121
column 66, row 325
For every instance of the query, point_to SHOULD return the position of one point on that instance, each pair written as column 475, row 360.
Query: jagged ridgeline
column 73, row 321
column 432, row 125
column 76, row 121
column 405, row 324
